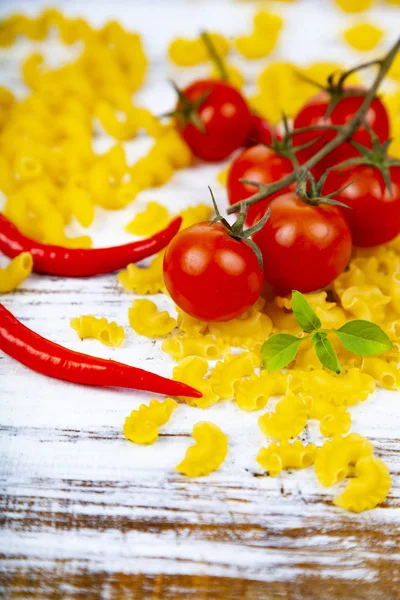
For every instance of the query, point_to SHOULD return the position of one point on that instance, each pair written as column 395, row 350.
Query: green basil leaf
column 364, row 338
column 304, row 314
column 327, row 355
column 279, row 350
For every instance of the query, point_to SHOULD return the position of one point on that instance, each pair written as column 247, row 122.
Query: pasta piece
column 365, row 302
column 334, row 420
column 193, row 370
column 145, row 319
column 363, row 36
column 227, row 374
column 151, row 220
column 187, row 53
column 245, row 330
column 191, row 345
column 387, row 374
column 345, row 389
column 288, row 420
column 368, row 488
column 144, row 280
column 282, row 321
column 354, row 6
column 142, row 425
column 171, row 147
column 286, row 455
column 263, row 38
column 222, row 177
column 191, row 325
column 207, row 454
column 257, row 45
column 195, row 214
column 112, row 124
column 80, row 204
column 108, row 333
column 254, row 393
column 15, row 273
column 335, row 458
column 151, row 171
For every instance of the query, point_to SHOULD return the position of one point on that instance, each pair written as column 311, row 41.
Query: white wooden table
column 86, row 514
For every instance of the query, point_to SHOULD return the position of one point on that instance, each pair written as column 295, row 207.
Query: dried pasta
column 288, row 420
column 187, row 53
column 154, row 218
column 227, row 374
column 253, row 393
column 108, row 333
column 145, row 319
column 337, row 457
column 286, row 455
column 363, row 36
column 368, row 488
column 16, row 272
column 144, row 280
column 142, row 425
column 193, row 371
column 207, row 346
column 207, row 454
column 195, row 214
column 245, row 330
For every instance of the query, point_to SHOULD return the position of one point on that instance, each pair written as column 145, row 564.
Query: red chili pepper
column 81, row 262
column 46, row 357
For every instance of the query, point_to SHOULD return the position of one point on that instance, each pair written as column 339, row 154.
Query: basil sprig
column 359, row 337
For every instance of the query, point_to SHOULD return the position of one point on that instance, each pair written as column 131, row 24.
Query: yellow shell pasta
column 145, row 319
column 286, row 455
column 142, row 425
column 207, row 454
column 16, row 272
column 108, row 333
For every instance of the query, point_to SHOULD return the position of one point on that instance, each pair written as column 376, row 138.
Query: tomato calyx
column 309, row 190
column 187, row 112
column 335, row 85
column 376, row 156
column 237, row 231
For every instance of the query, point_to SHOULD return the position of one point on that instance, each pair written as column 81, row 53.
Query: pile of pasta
column 49, row 170
column 223, row 361
column 52, row 174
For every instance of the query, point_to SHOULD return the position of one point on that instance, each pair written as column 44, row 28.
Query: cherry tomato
column 209, row 274
column 304, row 247
column 261, row 132
column 313, row 113
column 261, row 164
column 374, row 214
column 224, row 115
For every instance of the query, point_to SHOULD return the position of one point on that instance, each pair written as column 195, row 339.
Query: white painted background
column 62, row 452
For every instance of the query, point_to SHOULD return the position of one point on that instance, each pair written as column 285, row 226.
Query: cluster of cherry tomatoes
column 210, row 270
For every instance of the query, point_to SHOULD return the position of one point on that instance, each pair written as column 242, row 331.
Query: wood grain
column 86, row 514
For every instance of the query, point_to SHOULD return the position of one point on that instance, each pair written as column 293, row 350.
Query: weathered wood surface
column 85, row 514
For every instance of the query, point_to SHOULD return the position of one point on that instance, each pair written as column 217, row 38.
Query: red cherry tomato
column 209, row 274
column 313, row 113
column 261, row 164
column 261, row 132
column 374, row 214
column 224, row 115
column 304, row 247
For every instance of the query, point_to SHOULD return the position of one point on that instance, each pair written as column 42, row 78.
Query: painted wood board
column 85, row 514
